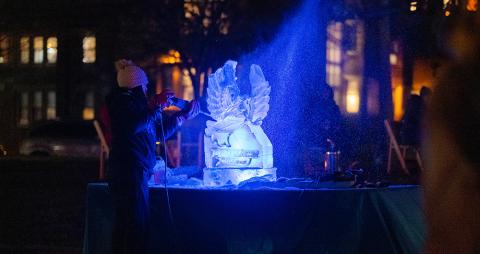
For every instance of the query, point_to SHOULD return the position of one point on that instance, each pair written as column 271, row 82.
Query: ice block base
column 228, row 176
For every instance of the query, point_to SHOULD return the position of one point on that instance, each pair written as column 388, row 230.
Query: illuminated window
column 396, row 74
column 353, row 97
column 4, row 45
column 89, row 49
column 449, row 5
column 334, row 75
column 24, row 50
column 393, row 59
column 52, row 50
column 398, row 103
column 24, row 112
column 472, row 5
column 334, row 59
column 334, row 54
column 413, row 6
column 344, row 48
column 51, row 105
column 353, row 102
column 37, row 106
column 89, row 109
column 38, row 49
column 446, row 3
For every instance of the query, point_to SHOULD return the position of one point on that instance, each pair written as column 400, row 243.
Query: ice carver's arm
column 172, row 123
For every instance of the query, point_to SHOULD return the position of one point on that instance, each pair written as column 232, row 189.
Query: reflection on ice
column 224, row 176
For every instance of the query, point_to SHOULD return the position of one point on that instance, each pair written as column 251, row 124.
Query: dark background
column 43, row 204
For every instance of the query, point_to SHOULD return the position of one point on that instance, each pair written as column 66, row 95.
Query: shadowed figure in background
column 412, row 122
column 135, row 122
column 323, row 120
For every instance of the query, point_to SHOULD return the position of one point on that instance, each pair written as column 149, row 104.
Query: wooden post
column 104, row 149
column 396, row 148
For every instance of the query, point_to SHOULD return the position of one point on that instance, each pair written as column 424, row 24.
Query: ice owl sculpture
column 236, row 148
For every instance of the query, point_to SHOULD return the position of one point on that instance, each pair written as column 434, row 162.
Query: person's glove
column 161, row 100
column 190, row 112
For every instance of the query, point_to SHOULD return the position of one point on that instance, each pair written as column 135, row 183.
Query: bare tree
column 146, row 29
column 204, row 32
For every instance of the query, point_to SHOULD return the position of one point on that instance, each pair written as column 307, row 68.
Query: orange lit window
column 24, row 50
column 397, row 103
column 472, row 5
column 396, row 74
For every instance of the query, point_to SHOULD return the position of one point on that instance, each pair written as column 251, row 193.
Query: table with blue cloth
column 270, row 220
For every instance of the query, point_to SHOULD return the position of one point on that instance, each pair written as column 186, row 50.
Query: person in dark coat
column 324, row 119
column 412, row 127
column 134, row 123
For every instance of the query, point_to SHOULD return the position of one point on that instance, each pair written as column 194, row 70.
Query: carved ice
column 236, row 148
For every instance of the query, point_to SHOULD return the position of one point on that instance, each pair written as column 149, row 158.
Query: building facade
column 56, row 59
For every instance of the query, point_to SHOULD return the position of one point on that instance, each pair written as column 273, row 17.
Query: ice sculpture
column 236, row 148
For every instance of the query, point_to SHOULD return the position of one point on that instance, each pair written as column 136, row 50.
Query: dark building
column 56, row 57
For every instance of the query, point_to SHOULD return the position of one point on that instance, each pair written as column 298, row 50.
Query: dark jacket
column 412, row 121
column 134, row 133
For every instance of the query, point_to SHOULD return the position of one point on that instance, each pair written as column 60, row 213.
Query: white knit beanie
column 129, row 75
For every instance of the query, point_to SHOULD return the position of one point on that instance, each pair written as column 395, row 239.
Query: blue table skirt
column 388, row 220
